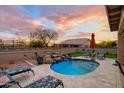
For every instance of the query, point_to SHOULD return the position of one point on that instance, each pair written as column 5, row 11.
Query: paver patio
column 105, row 76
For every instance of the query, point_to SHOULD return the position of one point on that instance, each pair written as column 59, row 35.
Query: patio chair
column 6, row 80
column 46, row 82
column 88, row 53
column 101, row 55
column 19, row 70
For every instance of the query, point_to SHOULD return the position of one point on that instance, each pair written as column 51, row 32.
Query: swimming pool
column 74, row 66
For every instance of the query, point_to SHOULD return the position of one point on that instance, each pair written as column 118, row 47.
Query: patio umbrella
column 92, row 42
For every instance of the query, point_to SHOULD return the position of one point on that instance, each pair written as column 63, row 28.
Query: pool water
column 74, row 66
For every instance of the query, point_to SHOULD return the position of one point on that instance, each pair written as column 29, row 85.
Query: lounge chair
column 46, row 82
column 6, row 80
column 19, row 70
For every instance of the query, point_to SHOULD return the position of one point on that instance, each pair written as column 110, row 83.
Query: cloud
column 68, row 21
column 13, row 21
column 104, row 36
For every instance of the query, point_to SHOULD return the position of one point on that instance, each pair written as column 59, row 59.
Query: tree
column 36, row 43
column 45, row 35
column 107, row 44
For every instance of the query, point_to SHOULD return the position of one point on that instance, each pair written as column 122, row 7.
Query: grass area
column 76, row 54
column 108, row 55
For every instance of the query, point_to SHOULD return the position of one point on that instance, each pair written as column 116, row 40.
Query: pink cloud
column 13, row 21
column 69, row 20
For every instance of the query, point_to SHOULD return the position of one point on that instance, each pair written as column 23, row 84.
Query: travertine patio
column 105, row 76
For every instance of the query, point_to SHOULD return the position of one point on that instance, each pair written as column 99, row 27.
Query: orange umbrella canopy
column 92, row 42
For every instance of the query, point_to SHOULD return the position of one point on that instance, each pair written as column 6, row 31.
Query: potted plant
column 121, row 33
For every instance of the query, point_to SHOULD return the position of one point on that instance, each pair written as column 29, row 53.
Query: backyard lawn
column 108, row 55
column 111, row 55
column 77, row 54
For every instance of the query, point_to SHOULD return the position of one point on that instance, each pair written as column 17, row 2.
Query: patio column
column 120, row 50
column 121, row 40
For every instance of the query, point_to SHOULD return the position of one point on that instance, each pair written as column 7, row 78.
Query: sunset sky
column 69, row 21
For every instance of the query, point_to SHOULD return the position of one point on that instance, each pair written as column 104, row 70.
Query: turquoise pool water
column 74, row 66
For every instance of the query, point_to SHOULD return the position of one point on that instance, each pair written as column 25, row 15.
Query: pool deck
column 105, row 76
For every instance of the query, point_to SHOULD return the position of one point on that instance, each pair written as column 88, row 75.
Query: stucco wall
column 19, row 55
column 121, row 45
column 121, row 41
column 109, row 50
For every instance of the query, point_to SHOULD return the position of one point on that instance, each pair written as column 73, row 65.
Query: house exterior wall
column 120, row 49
